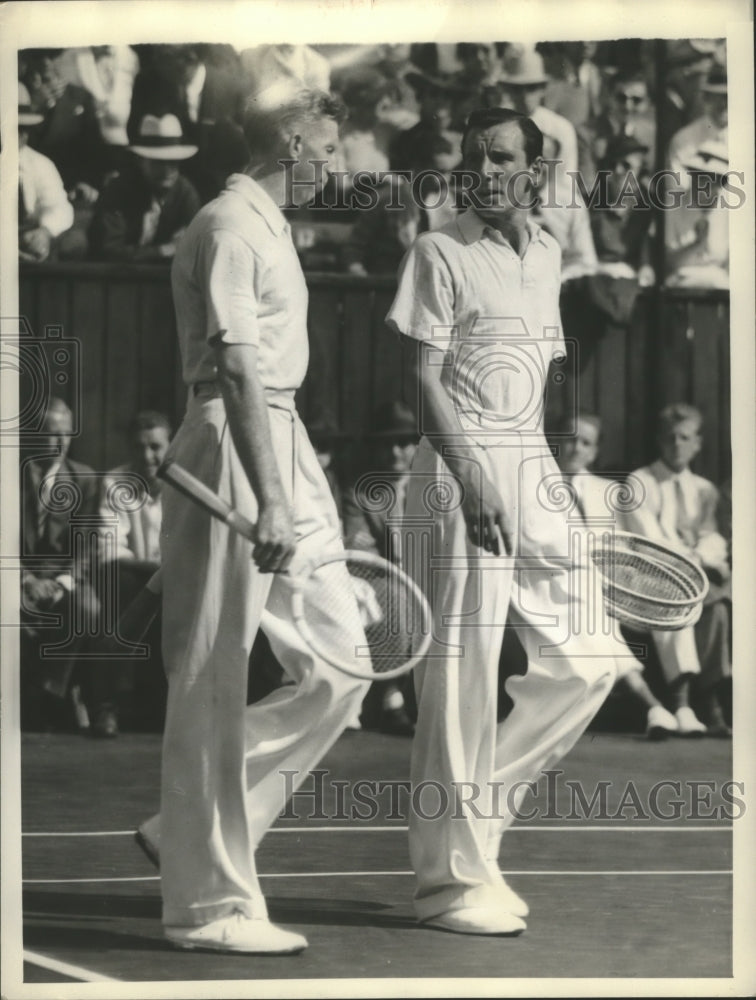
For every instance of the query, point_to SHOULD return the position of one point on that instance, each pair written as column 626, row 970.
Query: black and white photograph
column 378, row 454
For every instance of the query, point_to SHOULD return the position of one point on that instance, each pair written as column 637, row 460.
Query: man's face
column 148, row 450
column 479, row 61
column 680, row 444
column 630, row 99
column 498, row 155
column 160, row 175
column 525, row 99
column 578, row 453
column 395, row 455
column 316, row 141
column 58, row 430
column 631, row 163
column 716, row 108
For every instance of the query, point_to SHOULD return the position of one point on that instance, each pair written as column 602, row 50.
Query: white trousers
column 482, row 766
column 222, row 781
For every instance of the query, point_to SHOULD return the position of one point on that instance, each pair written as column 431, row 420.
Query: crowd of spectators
column 121, row 145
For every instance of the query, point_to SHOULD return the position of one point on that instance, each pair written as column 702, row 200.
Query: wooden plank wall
column 676, row 347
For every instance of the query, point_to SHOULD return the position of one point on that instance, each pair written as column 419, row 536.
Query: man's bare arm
column 247, row 412
column 482, row 506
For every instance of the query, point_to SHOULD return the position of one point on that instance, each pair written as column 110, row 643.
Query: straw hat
column 25, row 114
column 523, row 67
column 162, row 139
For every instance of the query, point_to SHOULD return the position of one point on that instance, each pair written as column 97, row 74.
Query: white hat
column 25, row 114
column 523, row 67
column 711, row 158
column 162, row 139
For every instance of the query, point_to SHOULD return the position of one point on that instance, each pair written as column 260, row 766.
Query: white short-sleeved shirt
column 495, row 315
column 236, row 275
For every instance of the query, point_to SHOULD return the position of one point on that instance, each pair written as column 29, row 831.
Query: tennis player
column 478, row 310
column 241, row 308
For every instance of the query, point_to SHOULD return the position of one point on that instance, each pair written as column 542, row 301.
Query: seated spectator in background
column 44, row 211
column 108, row 73
column 437, row 100
column 679, row 510
column 629, row 113
column 265, row 66
column 69, row 133
column 370, row 527
column 381, row 236
column 207, row 102
column 55, row 581
column 697, row 233
column 143, row 211
column 575, row 459
column 522, row 86
column 566, row 218
column 130, row 546
column 621, row 232
column 711, row 126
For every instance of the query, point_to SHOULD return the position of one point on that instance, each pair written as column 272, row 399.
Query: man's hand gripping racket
column 336, row 592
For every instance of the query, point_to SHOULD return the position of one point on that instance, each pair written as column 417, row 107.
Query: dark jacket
column 117, row 224
column 70, row 136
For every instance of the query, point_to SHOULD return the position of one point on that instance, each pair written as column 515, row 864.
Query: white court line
column 573, row 828
column 156, row 878
column 66, row 969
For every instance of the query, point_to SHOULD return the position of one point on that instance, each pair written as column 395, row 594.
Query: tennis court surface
column 612, row 894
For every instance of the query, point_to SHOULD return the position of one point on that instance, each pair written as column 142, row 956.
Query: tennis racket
column 647, row 585
column 338, row 595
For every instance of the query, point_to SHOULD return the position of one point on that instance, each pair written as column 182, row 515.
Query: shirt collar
column 258, row 199
column 473, row 228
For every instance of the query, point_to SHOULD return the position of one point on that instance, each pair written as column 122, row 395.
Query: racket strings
column 364, row 614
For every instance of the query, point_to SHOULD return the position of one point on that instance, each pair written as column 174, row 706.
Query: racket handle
column 200, row 494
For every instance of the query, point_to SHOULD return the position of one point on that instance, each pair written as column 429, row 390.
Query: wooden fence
column 124, row 358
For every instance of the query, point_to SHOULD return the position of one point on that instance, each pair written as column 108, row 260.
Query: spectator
column 367, row 95
column 44, row 211
column 207, row 102
column 697, row 232
column 437, row 99
column 566, row 217
column 266, row 66
column 480, row 67
column 629, row 113
column 711, row 126
column 143, row 212
column 621, row 229
column 522, row 86
column 69, row 133
column 688, row 65
column 381, row 236
column 679, row 510
column 575, row 459
column 55, row 580
column 372, row 527
column 130, row 545
column 574, row 86
column 108, row 73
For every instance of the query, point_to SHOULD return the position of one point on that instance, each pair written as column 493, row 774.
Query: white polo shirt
column 494, row 314
column 236, row 275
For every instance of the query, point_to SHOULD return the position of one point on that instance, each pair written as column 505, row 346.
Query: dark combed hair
column 483, row 118
column 266, row 128
column 146, row 420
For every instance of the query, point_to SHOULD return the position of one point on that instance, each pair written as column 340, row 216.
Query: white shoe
column 510, row 901
column 688, row 724
column 660, row 723
column 491, row 920
column 238, row 933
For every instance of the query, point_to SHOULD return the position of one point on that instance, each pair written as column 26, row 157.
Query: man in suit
column 208, row 103
column 129, row 535
column 55, row 585
column 144, row 210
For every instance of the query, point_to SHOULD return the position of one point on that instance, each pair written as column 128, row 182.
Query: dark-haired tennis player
column 478, row 311
column 241, row 309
